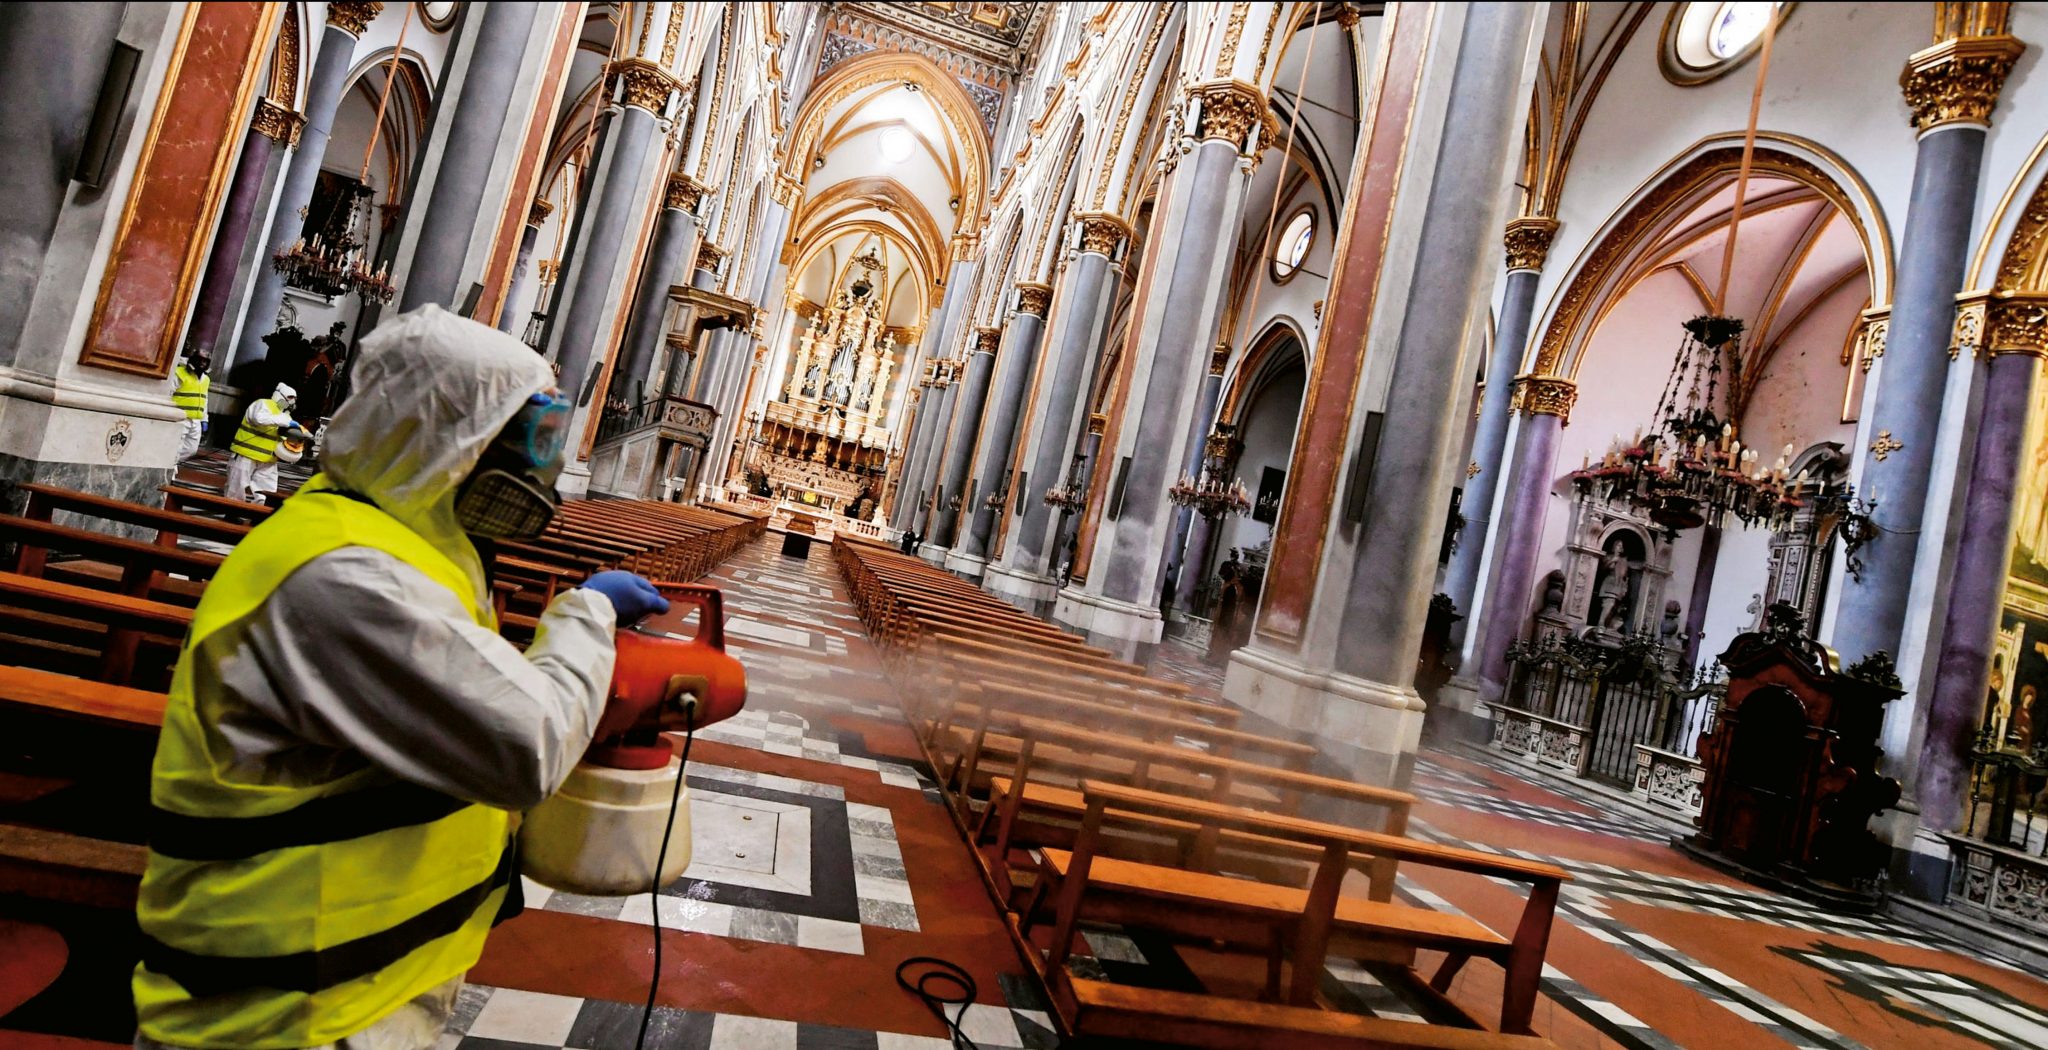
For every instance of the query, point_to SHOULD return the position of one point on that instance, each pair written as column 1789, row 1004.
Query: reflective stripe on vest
column 258, row 441
column 290, row 915
column 191, row 392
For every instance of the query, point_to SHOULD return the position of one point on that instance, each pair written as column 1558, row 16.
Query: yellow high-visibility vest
column 191, row 392
column 290, row 915
column 258, row 441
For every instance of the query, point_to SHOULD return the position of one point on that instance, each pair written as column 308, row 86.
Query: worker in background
column 190, row 396
column 252, row 459
column 347, row 737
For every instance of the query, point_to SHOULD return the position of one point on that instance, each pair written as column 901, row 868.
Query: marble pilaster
column 969, row 402
column 996, row 446
column 675, row 232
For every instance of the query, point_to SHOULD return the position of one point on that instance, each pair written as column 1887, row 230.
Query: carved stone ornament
column 787, row 191
column 1546, row 396
column 963, row 247
column 1968, row 334
column 538, row 212
column 1958, row 81
column 987, row 340
column 1100, row 231
column 1877, row 327
column 2016, row 323
column 682, row 192
column 1528, row 242
column 276, row 121
column 643, row 84
column 1033, row 298
column 1230, row 109
column 709, row 256
column 353, row 16
column 1219, row 359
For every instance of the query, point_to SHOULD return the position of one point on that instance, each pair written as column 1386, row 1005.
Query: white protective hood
column 429, row 393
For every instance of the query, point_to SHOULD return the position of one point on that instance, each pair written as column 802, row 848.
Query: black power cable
column 660, row 858
column 936, row 999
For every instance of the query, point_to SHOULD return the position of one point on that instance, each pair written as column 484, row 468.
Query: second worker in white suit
column 252, row 459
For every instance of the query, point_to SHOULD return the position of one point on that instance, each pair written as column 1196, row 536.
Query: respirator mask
column 511, row 493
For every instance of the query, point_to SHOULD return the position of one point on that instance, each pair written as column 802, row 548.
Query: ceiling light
column 897, row 144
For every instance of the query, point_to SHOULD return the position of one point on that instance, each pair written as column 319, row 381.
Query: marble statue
column 1610, row 594
column 1667, row 631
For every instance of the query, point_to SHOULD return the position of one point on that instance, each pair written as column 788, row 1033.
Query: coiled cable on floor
column 660, row 859
column 929, row 987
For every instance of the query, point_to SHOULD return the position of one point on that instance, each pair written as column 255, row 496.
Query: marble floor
column 822, row 859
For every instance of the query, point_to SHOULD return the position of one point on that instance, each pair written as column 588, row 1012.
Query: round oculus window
column 1704, row 41
column 1293, row 244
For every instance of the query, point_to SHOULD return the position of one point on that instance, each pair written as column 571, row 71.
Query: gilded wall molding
column 277, row 122
column 682, row 192
column 1033, row 297
column 1100, row 231
column 1230, row 109
column 963, row 248
column 1989, row 324
column 1876, row 328
column 538, row 212
column 1528, row 242
column 1967, row 335
column 787, row 191
column 1545, row 395
column 353, row 16
column 643, row 84
column 1958, row 81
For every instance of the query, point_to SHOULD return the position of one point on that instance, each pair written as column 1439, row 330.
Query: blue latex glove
column 631, row 595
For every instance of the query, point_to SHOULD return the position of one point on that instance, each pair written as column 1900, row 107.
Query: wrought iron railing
column 1619, row 696
column 2008, row 795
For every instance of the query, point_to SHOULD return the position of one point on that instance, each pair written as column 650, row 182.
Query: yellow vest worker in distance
column 252, row 458
column 189, row 395
column 347, row 737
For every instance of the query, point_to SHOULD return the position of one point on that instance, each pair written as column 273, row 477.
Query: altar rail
column 2000, row 858
column 1588, row 709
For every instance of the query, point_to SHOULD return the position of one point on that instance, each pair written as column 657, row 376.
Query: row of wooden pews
column 97, row 595
column 1094, row 795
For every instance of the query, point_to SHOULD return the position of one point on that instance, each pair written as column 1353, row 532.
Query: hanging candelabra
column 1210, row 495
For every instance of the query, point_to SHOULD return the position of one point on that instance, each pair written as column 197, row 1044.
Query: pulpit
column 1791, row 765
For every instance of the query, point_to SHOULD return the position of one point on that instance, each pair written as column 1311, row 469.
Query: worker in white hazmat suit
column 252, row 459
column 347, row 737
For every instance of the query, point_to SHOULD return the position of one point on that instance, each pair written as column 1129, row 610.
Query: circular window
column 1293, row 244
column 1703, row 41
column 438, row 16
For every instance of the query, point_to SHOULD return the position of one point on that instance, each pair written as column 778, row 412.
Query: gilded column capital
column 1033, row 297
column 682, row 192
column 353, row 16
column 1990, row 324
column 538, row 212
column 1219, row 359
column 277, row 122
column 963, row 248
column 1876, row 326
column 709, row 256
column 787, row 191
column 1230, row 109
column 644, row 85
column 1957, row 81
column 1545, row 396
column 1528, row 242
column 1100, row 231
column 987, row 339
column 1097, row 423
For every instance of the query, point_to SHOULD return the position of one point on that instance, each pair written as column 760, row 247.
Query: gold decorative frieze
column 1230, row 109
column 538, row 212
column 353, row 16
column 709, row 256
column 2008, row 323
column 1541, row 395
column 963, row 248
column 277, row 122
column 1958, row 81
column 1033, row 298
column 1528, row 242
column 987, row 339
column 1100, row 231
column 682, row 192
column 1219, row 358
column 643, row 84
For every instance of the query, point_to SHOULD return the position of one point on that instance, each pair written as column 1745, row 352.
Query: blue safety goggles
column 539, row 432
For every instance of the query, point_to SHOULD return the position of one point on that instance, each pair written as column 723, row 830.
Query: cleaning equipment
column 608, row 828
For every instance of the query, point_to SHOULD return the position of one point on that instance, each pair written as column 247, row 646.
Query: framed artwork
column 1267, row 507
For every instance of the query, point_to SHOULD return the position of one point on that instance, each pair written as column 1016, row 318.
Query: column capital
column 277, row 122
column 1957, row 81
column 1875, row 327
column 1528, row 242
column 1989, row 324
column 1033, row 297
column 964, row 247
column 682, row 192
column 353, row 16
column 1100, row 231
column 538, row 212
column 709, row 256
column 645, row 84
column 1097, row 423
column 1219, row 359
column 1545, row 396
column 787, row 191
column 1230, row 109
column 987, row 339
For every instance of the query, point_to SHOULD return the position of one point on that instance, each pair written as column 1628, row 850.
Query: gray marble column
column 922, row 512
column 522, row 267
column 1933, row 251
column 1977, row 583
column 941, row 337
column 253, row 170
column 52, row 59
column 674, row 233
column 998, row 444
column 1528, row 241
column 914, row 452
column 1395, row 570
column 1180, row 344
column 345, row 25
column 589, row 290
column 475, row 128
column 1531, row 474
column 969, row 400
column 1085, row 292
column 1070, row 521
column 1196, row 444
